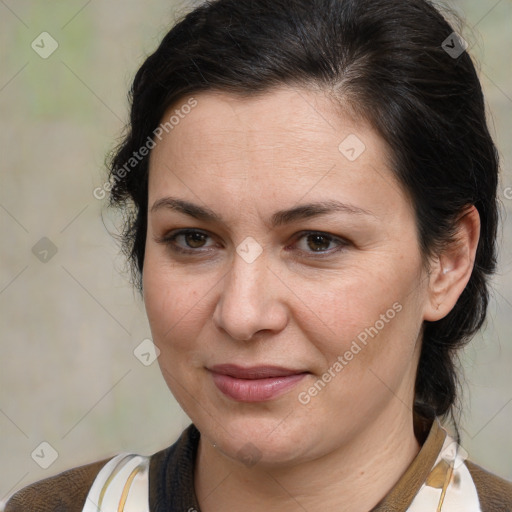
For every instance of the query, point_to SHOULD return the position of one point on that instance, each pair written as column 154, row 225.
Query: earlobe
column 452, row 268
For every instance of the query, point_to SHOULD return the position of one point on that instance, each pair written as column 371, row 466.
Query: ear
column 451, row 270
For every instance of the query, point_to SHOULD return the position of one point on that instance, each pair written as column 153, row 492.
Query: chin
column 251, row 451
column 263, row 439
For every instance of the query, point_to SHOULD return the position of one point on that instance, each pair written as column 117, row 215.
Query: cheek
column 175, row 303
column 367, row 350
column 369, row 316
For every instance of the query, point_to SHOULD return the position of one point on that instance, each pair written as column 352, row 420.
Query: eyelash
column 170, row 239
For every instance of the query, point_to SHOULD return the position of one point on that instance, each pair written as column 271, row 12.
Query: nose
column 252, row 300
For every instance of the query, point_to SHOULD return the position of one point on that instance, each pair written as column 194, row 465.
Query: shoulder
column 169, row 469
column 66, row 491
column 494, row 493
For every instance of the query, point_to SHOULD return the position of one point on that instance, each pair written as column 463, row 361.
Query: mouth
column 255, row 383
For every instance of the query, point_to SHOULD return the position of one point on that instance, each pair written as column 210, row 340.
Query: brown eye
column 318, row 242
column 188, row 241
column 194, row 239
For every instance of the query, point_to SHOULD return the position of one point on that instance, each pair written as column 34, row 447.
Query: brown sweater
column 171, row 480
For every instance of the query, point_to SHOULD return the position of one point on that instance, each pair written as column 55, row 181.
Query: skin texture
column 244, row 159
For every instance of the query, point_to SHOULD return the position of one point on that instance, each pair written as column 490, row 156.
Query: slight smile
column 255, row 383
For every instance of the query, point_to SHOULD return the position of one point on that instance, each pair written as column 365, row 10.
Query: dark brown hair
column 389, row 61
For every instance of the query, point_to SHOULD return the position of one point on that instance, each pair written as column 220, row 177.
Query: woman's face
column 300, row 265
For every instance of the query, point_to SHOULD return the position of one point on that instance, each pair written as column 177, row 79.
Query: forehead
column 282, row 142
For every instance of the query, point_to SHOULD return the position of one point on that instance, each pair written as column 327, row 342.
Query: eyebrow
column 279, row 218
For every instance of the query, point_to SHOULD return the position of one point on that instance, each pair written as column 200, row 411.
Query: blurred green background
column 70, row 324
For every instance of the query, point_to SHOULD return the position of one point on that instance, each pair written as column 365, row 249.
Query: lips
column 255, row 383
column 253, row 372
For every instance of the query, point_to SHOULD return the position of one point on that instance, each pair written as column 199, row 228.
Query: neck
column 352, row 478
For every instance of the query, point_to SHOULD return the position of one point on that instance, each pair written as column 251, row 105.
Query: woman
column 310, row 200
